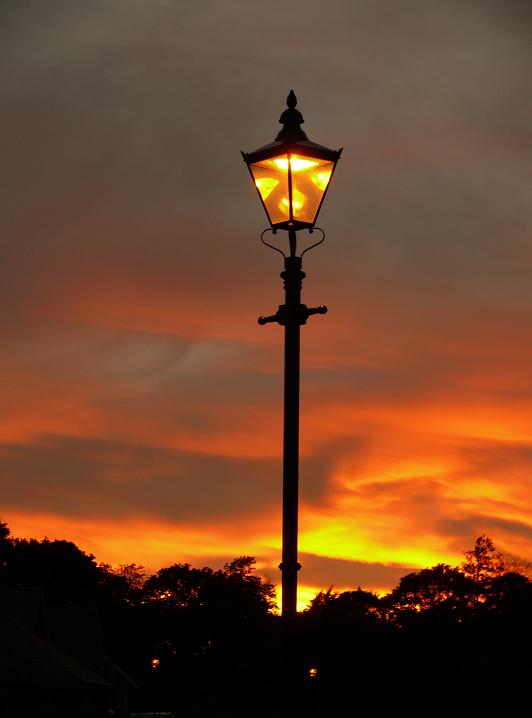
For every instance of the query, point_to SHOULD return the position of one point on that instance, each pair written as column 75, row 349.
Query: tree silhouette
column 483, row 562
column 235, row 589
column 442, row 589
column 60, row 568
column 124, row 584
column 4, row 531
column 508, row 593
column 355, row 605
column 213, row 631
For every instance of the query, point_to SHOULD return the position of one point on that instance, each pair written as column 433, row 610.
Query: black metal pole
column 293, row 277
column 292, row 314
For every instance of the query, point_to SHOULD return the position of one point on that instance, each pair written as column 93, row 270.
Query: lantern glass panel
column 309, row 178
column 271, row 180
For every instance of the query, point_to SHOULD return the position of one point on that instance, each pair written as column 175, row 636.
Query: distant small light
column 313, row 672
column 155, row 662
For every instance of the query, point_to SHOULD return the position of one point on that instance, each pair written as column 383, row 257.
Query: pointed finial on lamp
column 291, row 119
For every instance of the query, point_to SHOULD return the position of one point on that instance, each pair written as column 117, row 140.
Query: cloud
column 473, row 526
column 94, row 477
column 135, row 378
column 324, row 571
column 89, row 477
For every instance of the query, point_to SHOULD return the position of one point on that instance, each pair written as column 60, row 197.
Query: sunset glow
column 141, row 411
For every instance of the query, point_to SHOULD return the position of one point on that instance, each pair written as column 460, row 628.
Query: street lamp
column 291, row 175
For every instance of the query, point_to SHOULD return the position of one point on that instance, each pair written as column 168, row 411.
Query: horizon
column 511, row 562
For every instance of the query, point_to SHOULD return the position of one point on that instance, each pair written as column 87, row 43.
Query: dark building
column 52, row 663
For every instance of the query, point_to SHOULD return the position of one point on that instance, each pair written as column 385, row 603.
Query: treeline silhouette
column 200, row 639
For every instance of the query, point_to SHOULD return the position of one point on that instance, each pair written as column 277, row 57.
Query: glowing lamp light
column 295, row 163
column 155, row 663
column 321, row 179
column 298, row 201
column 313, row 672
column 292, row 173
column 266, row 185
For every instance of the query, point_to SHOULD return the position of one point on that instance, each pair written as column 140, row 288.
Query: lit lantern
column 292, row 173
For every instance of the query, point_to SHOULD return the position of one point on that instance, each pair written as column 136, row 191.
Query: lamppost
column 291, row 175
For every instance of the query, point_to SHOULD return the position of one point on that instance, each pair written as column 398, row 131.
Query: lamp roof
column 291, row 119
column 291, row 138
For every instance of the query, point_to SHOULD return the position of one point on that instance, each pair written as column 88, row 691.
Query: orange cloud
column 141, row 402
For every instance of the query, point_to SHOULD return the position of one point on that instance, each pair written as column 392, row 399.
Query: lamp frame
column 303, row 148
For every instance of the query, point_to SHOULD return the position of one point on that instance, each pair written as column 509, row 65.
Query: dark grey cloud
column 422, row 502
column 317, row 468
column 495, row 458
column 472, row 526
column 98, row 478
column 104, row 479
column 122, row 125
column 325, row 571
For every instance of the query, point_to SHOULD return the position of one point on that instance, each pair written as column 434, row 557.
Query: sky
column 141, row 403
